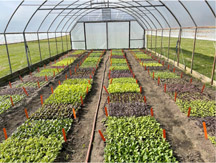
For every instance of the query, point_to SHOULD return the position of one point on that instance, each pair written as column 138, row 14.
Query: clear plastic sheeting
column 96, row 35
column 118, row 34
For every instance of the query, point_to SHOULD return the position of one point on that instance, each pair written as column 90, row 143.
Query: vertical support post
column 62, row 43
column 56, row 43
column 85, row 35
column 26, row 50
column 213, row 70
column 71, row 41
column 67, row 41
column 129, row 34
column 151, row 39
column 194, row 46
column 49, row 44
column 169, row 44
column 179, row 43
column 155, row 41
column 144, row 40
column 162, row 42
column 8, row 54
column 107, row 36
column 39, row 46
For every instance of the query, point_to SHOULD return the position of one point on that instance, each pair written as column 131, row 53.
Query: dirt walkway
column 13, row 118
column 78, row 138
column 186, row 138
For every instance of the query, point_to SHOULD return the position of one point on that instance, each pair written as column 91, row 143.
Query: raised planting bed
column 199, row 108
column 17, row 91
column 142, row 56
column 136, row 140
column 119, row 109
column 151, row 64
column 5, row 102
column 31, row 84
column 126, row 97
column 122, row 80
column 118, row 61
column 120, row 73
column 48, row 72
column 55, row 111
column 125, row 67
column 90, row 62
column 65, row 62
column 118, row 56
column 95, row 54
column 165, row 75
column 68, row 94
column 35, row 141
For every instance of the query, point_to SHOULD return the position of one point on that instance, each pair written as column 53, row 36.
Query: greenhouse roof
column 62, row 15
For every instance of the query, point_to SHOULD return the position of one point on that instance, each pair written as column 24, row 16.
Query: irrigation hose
column 95, row 117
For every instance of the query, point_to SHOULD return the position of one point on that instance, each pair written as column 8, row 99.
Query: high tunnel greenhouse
column 107, row 81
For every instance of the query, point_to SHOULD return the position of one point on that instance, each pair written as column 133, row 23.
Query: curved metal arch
column 87, row 8
column 210, row 8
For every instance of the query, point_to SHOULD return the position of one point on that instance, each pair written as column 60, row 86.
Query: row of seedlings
column 186, row 91
column 131, row 134
column 40, row 138
column 17, row 91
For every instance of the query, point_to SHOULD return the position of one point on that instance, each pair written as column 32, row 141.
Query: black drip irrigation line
column 95, row 117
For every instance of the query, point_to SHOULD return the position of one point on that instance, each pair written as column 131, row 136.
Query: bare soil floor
column 15, row 116
column 185, row 137
column 78, row 138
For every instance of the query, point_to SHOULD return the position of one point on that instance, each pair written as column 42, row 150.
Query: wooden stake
column 145, row 67
column 190, row 80
column 145, row 99
column 105, row 89
column 59, row 82
column 89, row 82
column 70, row 73
column 53, row 73
column 111, row 81
column 10, row 84
column 152, row 114
column 25, row 91
column 174, row 69
column 5, row 133
column 74, row 113
column 26, row 113
column 189, row 110
column 164, row 87
column 153, row 76
column 65, row 76
column 87, row 90
column 38, row 84
column 148, row 70
column 64, row 135
column 181, row 74
column 203, row 88
column 158, row 80
column 106, row 111
column 46, row 78
column 52, row 89
column 20, row 78
column 175, row 96
column 205, row 130
column 101, row 135
column 81, row 100
column 108, row 99
column 168, row 67
column 11, row 101
column 164, row 133
column 41, row 98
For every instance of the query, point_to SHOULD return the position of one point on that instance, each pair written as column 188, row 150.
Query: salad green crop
column 123, row 87
column 122, row 80
column 33, row 149
column 136, row 140
column 31, row 84
column 78, row 52
column 77, row 81
column 68, row 94
column 119, row 67
column 5, row 102
column 48, row 72
column 151, row 64
column 46, row 128
column 65, row 61
column 199, row 108
column 118, row 61
column 143, row 56
column 165, row 75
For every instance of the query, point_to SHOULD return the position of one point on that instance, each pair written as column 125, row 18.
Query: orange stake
column 205, row 130
column 52, row 89
column 41, row 97
column 64, row 135
column 59, row 82
column 26, row 113
column 168, row 67
column 111, row 81
column 87, row 90
column 140, row 89
column 174, row 69
column 164, row 87
column 74, row 113
column 38, row 84
column 190, row 80
column 181, row 74
column 46, row 78
column 136, row 81
column 106, row 111
column 5, row 133
column 189, row 110
column 11, row 101
column 164, row 133
column 10, row 84
column 152, row 114
column 153, row 76
column 203, row 88
column 145, row 67
column 105, row 89
column 145, row 99
column 70, row 73
column 108, row 99
column 38, row 69
column 65, row 76
column 175, row 96
column 53, row 73
column 21, row 78
column 148, row 70
column 89, row 82
column 158, row 80
column 81, row 100
column 101, row 135
column 90, row 77
column 25, row 91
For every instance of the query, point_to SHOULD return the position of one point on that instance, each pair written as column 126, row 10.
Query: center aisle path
column 186, row 138
column 78, row 138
